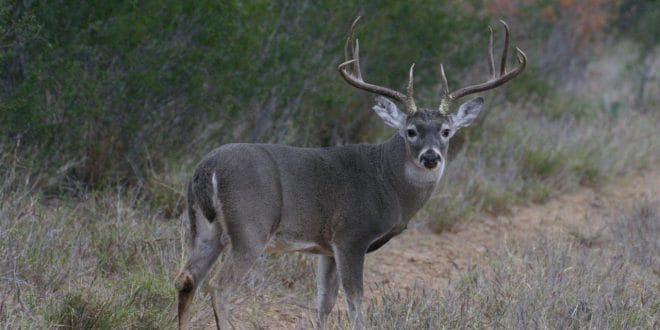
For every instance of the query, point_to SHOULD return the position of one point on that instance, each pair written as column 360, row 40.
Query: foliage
column 124, row 92
column 637, row 20
column 561, row 36
column 108, row 91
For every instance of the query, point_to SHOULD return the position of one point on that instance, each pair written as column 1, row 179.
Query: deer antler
column 350, row 71
column 497, row 79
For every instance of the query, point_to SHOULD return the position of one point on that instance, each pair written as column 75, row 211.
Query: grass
column 547, row 281
column 106, row 260
column 100, row 261
column 519, row 155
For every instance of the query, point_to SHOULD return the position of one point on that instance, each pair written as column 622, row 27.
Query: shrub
column 120, row 89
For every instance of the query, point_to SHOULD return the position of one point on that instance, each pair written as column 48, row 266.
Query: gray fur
column 338, row 202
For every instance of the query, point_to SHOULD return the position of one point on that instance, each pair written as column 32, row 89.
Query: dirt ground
column 432, row 260
column 420, row 257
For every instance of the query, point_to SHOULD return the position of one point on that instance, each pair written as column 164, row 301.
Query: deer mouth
column 430, row 164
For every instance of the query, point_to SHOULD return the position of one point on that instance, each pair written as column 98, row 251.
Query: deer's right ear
column 389, row 112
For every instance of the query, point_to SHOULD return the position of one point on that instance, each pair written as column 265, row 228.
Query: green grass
column 141, row 300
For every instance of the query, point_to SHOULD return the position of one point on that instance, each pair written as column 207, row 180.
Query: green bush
column 116, row 89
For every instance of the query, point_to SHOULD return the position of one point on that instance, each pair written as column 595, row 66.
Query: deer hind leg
column 205, row 250
column 247, row 241
column 327, row 285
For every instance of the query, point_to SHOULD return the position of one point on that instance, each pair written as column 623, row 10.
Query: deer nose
column 430, row 159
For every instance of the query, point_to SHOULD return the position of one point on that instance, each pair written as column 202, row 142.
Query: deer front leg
column 350, row 264
column 327, row 286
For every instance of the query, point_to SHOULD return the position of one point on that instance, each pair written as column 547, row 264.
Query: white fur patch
column 419, row 175
column 219, row 227
column 214, row 184
column 281, row 244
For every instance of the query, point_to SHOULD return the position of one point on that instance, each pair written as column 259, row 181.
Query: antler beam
column 350, row 71
column 497, row 78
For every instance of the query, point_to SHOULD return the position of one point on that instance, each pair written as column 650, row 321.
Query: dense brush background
column 106, row 106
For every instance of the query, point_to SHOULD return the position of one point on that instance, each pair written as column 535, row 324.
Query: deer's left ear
column 389, row 112
column 467, row 112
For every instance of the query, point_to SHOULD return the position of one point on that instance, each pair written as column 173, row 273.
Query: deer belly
column 281, row 244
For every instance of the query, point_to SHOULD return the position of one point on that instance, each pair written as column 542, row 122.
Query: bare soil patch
column 419, row 257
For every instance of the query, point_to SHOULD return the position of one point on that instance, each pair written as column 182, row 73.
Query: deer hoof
column 184, row 282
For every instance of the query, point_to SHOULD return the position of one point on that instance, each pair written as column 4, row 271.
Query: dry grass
column 106, row 260
column 100, row 261
column 553, row 282
column 540, row 157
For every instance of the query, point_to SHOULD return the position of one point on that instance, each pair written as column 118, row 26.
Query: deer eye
column 445, row 132
column 411, row 133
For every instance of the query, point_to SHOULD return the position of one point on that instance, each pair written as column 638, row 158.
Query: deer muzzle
column 430, row 159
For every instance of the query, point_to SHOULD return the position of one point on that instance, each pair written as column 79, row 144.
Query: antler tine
column 496, row 79
column 349, row 48
column 522, row 61
column 445, row 84
column 490, row 54
column 444, row 102
column 356, row 55
column 410, row 101
column 350, row 71
column 505, row 48
column 352, row 49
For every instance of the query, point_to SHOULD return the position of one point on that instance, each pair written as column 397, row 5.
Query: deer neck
column 411, row 185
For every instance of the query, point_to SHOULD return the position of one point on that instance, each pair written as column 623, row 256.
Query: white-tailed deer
column 339, row 202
